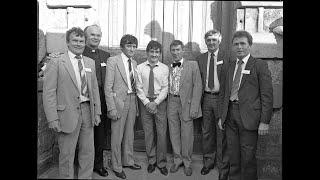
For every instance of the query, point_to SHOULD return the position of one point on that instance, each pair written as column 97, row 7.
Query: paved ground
column 142, row 174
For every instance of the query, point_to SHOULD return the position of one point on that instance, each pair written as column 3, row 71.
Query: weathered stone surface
column 269, row 167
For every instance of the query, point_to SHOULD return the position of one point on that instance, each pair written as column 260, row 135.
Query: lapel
column 67, row 63
column 185, row 70
column 88, row 74
column 231, row 72
column 249, row 66
column 122, row 69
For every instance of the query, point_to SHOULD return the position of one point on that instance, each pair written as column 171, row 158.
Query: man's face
column 76, row 44
column 93, row 34
column 176, row 52
column 153, row 55
column 241, row 47
column 129, row 50
column 213, row 42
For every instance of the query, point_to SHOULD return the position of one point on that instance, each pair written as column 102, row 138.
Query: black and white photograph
column 159, row 89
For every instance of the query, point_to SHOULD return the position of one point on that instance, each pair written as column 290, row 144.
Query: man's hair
column 239, row 34
column 86, row 29
column 76, row 30
column 128, row 39
column 176, row 43
column 154, row 45
column 212, row 32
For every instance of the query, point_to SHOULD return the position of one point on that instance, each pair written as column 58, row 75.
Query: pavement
column 141, row 159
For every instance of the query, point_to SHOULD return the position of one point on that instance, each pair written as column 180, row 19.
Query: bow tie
column 176, row 64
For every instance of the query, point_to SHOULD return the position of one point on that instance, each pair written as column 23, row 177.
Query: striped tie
column 236, row 82
column 84, row 90
column 133, row 87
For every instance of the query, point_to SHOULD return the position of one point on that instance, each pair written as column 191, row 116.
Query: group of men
column 85, row 91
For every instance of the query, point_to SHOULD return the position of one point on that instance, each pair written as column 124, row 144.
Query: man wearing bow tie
column 72, row 105
column 93, row 37
column 185, row 91
column 211, row 64
column 120, row 93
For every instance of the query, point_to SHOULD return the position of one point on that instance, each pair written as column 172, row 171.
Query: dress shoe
column 174, row 168
column 205, row 170
column 164, row 170
column 151, row 168
column 121, row 175
column 133, row 167
column 188, row 171
column 101, row 171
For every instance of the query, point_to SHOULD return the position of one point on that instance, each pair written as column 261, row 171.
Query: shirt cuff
column 146, row 101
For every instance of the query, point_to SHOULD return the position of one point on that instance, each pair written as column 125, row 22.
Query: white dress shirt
column 175, row 83
column 243, row 65
column 160, row 74
column 74, row 63
column 126, row 67
column 216, row 80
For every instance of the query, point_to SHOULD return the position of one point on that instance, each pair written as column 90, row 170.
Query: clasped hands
column 151, row 107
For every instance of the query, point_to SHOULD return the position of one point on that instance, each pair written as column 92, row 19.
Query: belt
column 234, row 102
column 174, row 95
column 212, row 93
column 83, row 102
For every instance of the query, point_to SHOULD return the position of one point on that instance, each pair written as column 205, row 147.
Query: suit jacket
column 190, row 89
column 255, row 93
column 116, row 84
column 100, row 57
column 61, row 96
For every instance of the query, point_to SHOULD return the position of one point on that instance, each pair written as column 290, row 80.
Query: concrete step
column 141, row 159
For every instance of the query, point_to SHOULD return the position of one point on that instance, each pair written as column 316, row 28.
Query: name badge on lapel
column 245, row 71
column 87, row 69
column 219, row 62
column 103, row 64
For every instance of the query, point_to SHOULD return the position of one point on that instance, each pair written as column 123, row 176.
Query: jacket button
column 78, row 107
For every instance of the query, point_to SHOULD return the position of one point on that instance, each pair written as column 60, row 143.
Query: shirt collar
column 181, row 61
column 215, row 53
column 72, row 55
column 124, row 57
column 157, row 64
column 245, row 59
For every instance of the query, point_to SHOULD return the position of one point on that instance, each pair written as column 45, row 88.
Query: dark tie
column 236, row 82
column 176, row 64
column 131, row 76
column 211, row 72
column 84, row 90
column 151, row 82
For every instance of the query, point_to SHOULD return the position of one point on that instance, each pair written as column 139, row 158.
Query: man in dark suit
column 93, row 37
column 211, row 64
column 246, row 107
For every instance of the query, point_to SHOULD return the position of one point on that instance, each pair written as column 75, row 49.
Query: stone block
column 269, row 167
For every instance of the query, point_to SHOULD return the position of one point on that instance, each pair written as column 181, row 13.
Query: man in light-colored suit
column 246, row 107
column 122, row 106
column 72, row 105
column 185, row 90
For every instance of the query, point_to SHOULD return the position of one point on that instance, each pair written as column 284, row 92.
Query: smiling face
column 76, row 43
column 241, row 47
column 93, row 36
column 153, row 55
column 212, row 42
